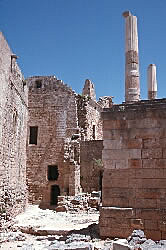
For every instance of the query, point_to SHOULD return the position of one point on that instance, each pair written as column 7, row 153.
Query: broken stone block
column 71, row 246
column 121, row 244
column 96, row 194
column 61, row 208
column 94, row 202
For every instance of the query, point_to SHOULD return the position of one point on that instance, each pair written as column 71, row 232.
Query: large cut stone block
column 143, row 203
column 152, row 153
column 134, row 163
column 151, row 224
column 154, row 163
column 107, row 212
column 121, row 154
column 115, row 202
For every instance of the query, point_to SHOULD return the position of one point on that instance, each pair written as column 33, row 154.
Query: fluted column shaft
column 152, row 82
column 132, row 83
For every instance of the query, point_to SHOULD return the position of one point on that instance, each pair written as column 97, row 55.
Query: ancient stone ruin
column 13, row 131
column 134, row 157
column 55, row 142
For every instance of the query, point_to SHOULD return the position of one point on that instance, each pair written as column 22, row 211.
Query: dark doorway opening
column 53, row 173
column 55, row 192
column 33, row 135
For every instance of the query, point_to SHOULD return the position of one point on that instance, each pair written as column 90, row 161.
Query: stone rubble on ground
column 74, row 229
column 84, row 202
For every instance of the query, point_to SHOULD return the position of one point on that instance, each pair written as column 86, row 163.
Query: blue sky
column 80, row 39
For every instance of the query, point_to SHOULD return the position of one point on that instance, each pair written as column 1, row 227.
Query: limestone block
column 61, row 208
column 118, row 182
column 120, row 245
column 146, row 133
column 135, row 183
column 154, row 163
column 151, row 183
column 114, row 232
column 115, row 164
column 107, row 212
column 137, row 223
column 152, row 193
column 122, row 154
column 153, row 234
column 120, row 173
column 115, row 202
column 151, row 225
column 117, row 124
column 148, row 214
column 152, row 143
column 151, row 153
column 134, row 163
column 143, row 203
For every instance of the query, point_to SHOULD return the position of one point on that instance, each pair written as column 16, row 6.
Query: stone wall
column 91, row 168
column 53, row 109
column 134, row 181
column 89, row 118
column 63, row 119
column 13, row 127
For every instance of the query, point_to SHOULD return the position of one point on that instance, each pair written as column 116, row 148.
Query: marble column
column 152, row 82
column 132, row 83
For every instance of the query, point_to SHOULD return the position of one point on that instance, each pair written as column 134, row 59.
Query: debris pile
column 82, row 202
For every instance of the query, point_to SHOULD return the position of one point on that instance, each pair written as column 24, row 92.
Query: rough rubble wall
column 53, row 109
column 13, row 127
column 134, row 181
column 89, row 118
column 91, row 168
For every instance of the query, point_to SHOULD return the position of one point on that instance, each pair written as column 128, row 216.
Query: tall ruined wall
column 91, row 168
column 134, row 181
column 13, row 127
column 52, row 108
column 89, row 118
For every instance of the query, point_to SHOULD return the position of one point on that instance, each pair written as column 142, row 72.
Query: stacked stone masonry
column 53, row 110
column 134, row 159
column 63, row 119
column 13, row 129
column 91, row 168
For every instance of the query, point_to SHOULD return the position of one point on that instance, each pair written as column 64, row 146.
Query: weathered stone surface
column 138, row 181
column 13, row 127
column 152, row 82
column 132, row 88
column 120, row 245
column 91, row 166
column 64, row 120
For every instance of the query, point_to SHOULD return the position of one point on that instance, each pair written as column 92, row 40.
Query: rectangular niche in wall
column 33, row 135
column 38, row 84
column 53, row 173
column 94, row 132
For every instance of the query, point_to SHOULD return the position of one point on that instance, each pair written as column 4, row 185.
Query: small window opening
column 23, row 84
column 15, row 117
column 38, row 84
column 33, row 135
column 94, row 132
column 53, row 173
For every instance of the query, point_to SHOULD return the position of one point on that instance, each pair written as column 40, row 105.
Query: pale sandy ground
column 50, row 221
